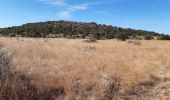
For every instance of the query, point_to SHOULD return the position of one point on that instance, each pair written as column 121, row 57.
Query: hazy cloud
column 70, row 8
column 64, row 15
column 54, row 2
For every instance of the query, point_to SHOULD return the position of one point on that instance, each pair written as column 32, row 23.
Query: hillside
column 70, row 29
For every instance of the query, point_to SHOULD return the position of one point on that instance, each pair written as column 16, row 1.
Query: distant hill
column 70, row 29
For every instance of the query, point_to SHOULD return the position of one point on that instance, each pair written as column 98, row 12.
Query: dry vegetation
column 72, row 69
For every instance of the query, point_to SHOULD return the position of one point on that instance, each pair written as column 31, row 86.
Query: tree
column 164, row 37
column 148, row 37
column 121, row 37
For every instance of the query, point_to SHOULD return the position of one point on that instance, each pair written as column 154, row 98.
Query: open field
column 71, row 69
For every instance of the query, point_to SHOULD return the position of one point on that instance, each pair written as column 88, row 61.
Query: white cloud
column 80, row 7
column 64, row 15
column 54, row 2
column 69, row 9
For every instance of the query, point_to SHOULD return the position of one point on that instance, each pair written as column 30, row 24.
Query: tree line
column 69, row 29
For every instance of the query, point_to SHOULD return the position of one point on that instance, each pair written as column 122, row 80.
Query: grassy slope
column 103, row 70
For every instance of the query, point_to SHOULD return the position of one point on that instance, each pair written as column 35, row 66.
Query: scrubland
column 70, row 69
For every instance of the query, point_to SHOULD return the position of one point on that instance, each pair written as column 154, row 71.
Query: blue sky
column 151, row 15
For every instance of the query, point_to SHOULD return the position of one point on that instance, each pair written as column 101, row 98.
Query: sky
column 152, row 15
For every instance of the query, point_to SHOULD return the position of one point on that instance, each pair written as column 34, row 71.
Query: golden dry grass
column 103, row 70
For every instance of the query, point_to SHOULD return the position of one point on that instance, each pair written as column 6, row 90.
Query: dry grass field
column 66, row 69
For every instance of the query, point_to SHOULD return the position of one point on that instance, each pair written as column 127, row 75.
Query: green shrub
column 121, row 37
column 148, row 37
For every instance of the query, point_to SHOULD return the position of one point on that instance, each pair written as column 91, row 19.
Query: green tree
column 121, row 37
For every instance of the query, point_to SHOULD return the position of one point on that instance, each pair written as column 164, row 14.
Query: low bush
column 90, row 39
column 135, row 42
column 122, row 37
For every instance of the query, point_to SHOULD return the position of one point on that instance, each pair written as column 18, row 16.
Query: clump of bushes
column 88, row 48
column 90, row 39
column 121, row 37
column 135, row 42
column 148, row 37
column 12, row 35
column 164, row 37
